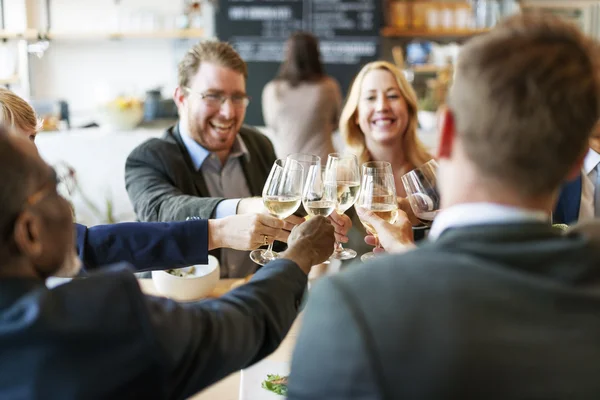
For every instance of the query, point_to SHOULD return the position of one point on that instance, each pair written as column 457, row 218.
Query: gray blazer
column 163, row 185
column 506, row 311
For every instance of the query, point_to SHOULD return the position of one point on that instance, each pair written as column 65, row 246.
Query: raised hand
column 310, row 243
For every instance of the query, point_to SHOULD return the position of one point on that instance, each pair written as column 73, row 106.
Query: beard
column 70, row 267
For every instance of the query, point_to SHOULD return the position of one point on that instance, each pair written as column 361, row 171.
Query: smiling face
column 382, row 112
column 213, row 126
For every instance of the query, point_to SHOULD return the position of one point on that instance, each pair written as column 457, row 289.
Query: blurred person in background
column 579, row 199
column 209, row 165
column 145, row 245
column 496, row 303
column 102, row 338
column 302, row 105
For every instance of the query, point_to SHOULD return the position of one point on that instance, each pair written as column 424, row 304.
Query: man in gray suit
column 208, row 165
column 496, row 304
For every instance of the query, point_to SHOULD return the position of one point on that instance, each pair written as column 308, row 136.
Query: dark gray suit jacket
column 491, row 312
column 163, row 185
column 101, row 338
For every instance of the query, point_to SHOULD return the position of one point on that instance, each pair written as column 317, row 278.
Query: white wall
column 90, row 70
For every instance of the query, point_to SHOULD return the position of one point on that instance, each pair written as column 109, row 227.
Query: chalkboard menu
column 348, row 31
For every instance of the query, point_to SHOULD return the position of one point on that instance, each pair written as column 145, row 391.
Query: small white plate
column 252, row 378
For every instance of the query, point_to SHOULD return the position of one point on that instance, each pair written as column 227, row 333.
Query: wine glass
column 378, row 194
column 281, row 196
column 307, row 161
column 342, row 171
column 319, row 198
column 421, row 190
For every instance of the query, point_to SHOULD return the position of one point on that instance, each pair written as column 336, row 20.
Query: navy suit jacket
column 101, row 338
column 144, row 245
column 569, row 202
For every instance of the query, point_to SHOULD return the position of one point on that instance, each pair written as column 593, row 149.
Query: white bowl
column 191, row 287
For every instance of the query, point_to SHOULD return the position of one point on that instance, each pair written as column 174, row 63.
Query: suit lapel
column 251, row 172
column 198, row 177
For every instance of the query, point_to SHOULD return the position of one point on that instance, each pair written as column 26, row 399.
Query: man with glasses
column 101, row 337
column 208, row 165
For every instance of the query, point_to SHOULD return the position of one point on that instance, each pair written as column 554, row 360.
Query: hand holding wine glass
column 378, row 195
column 342, row 171
column 421, row 191
column 281, row 195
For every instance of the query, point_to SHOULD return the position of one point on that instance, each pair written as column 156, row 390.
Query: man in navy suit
column 101, row 338
column 580, row 198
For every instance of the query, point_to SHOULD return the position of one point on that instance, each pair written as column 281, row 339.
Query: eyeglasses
column 63, row 182
column 217, row 100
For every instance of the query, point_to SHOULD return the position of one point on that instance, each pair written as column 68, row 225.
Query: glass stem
column 269, row 251
column 338, row 246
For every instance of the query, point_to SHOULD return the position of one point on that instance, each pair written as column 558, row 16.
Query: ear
column 577, row 167
column 179, row 97
column 28, row 235
column 447, row 133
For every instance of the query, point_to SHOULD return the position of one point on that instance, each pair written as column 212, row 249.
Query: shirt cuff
column 226, row 208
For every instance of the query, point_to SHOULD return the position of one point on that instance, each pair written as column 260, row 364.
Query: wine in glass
column 307, row 161
column 378, row 194
column 281, row 195
column 342, row 171
column 420, row 185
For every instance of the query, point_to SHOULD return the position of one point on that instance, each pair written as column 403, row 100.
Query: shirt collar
column 199, row 154
column 482, row 213
column 591, row 160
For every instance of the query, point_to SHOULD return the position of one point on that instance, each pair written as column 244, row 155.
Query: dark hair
column 302, row 60
column 16, row 178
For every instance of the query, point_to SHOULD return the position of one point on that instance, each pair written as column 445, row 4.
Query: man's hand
column 404, row 205
column 310, row 243
column 394, row 238
column 245, row 232
column 251, row 205
column 342, row 224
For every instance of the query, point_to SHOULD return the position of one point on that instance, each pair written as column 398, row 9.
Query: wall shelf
column 390, row 31
column 171, row 34
column 28, row 34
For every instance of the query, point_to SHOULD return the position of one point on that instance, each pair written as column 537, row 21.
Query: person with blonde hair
column 18, row 115
column 379, row 120
column 379, row 123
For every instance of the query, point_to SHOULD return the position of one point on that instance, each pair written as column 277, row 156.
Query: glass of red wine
column 420, row 185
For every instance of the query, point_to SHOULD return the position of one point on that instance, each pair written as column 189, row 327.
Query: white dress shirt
column 588, row 186
column 480, row 214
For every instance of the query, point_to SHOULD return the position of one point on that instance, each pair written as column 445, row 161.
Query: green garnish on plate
column 276, row 384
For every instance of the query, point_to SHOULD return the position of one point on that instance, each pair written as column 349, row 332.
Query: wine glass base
column 263, row 257
column 344, row 254
column 368, row 256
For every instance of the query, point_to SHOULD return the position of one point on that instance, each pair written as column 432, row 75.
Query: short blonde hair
column 16, row 113
column 220, row 53
column 414, row 151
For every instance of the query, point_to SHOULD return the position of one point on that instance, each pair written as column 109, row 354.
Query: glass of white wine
column 319, row 198
column 420, row 185
column 281, row 195
column 307, row 161
column 342, row 171
column 378, row 194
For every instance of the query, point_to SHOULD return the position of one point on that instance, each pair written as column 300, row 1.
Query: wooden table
column 228, row 388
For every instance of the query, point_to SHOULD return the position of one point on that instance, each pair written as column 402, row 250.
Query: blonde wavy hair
column 17, row 114
column 414, row 150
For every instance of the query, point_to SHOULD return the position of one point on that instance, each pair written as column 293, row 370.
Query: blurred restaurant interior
column 102, row 75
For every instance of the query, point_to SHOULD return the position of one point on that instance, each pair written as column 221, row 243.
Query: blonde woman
column 379, row 120
column 379, row 123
